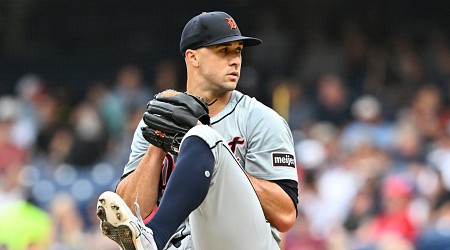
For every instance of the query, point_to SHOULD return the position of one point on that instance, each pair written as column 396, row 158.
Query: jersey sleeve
column 270, row 154
column 138, row 149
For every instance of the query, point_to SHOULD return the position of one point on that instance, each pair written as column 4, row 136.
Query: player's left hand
column 170, row 114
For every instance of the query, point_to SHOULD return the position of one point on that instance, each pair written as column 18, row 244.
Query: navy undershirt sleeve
column 186, row 189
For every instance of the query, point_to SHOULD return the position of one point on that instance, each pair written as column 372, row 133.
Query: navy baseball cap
column 212, row 28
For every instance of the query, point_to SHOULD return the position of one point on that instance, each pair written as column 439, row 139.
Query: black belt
column 176, row 242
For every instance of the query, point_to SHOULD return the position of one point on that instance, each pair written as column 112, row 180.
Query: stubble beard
column 221, row 86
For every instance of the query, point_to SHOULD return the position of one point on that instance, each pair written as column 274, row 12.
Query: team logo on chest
column 235, row 142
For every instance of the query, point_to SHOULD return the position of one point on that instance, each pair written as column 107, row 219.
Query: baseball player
column 234, row 184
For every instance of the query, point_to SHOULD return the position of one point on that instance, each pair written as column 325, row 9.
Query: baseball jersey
column 258, row 136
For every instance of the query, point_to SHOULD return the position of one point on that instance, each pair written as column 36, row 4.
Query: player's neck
column 216, row 101
column 219, row 104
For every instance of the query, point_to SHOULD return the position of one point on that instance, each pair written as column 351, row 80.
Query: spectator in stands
column 394, row 220
column 333, row 101
column 368, row 126
column 131, row 89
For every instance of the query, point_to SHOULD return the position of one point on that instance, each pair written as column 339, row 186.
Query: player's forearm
column 276, row 203
column 143, row 182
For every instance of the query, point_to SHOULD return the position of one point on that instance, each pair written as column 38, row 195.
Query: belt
column 176, row 242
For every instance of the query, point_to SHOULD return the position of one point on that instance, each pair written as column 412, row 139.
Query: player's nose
column 235, row 60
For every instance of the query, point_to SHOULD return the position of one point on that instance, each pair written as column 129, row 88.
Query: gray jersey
column 260, row 139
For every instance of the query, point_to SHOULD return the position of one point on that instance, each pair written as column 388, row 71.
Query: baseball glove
column 169, row 116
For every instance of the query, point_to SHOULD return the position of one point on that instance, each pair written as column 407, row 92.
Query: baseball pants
column 231, row 216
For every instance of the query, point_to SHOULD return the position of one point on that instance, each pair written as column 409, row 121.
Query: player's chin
column 229, row 87
column 231, row 84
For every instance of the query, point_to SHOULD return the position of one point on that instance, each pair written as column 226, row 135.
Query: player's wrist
column 156, row 151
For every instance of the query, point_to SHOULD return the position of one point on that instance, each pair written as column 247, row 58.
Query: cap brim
column 248, row 41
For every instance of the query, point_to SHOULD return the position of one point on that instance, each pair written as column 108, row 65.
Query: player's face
column 220, row 65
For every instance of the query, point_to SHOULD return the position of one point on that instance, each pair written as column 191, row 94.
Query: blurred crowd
column 372, row 136
column 56, row 159
column 371, row 126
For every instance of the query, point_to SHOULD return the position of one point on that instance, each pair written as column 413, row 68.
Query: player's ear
column 192, row 57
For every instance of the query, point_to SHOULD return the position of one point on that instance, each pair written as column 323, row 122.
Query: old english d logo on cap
column 231, row 22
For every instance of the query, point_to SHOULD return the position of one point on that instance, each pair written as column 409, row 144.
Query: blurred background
column 364, row 86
